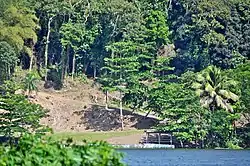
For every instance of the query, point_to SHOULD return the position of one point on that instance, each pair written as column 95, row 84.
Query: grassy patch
column 93, row 136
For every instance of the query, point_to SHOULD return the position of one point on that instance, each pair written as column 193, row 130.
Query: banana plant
column 30, row 84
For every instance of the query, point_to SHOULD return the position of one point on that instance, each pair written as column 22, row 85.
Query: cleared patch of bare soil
column 77, row 108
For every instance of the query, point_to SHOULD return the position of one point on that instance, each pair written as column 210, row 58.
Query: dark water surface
column 187, row 157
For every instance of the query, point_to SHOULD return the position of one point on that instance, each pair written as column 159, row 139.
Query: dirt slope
column 77, row 109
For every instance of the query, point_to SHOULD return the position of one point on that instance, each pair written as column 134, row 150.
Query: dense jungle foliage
column 32, row 150
column 187, row 61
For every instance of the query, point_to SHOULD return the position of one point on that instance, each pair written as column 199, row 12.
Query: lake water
column 187, row 157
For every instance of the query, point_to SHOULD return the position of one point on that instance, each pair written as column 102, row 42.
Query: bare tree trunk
column 40, row 54
column 121, row 112
column 67, row 61
column 202, row 142
column 106, row 100
column 95, row 71
column 9, row 72
column 31, row 59
column 62, row 65
column 86, row 67
column 47, row 47
column 73, row 66
column 181, row 144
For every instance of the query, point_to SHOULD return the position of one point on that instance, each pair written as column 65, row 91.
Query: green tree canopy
column 8, row 60
column 18, row 27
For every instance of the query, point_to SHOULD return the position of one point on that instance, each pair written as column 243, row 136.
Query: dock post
column 171, row 139
column 159, row 138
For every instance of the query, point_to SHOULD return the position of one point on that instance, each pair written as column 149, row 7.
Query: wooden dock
column 145, row 146
column 156, row 137
column 153, row 140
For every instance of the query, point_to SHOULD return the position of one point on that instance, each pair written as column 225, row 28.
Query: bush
column 10, row 87
column 233, row 144
column 83, row 78
column 30, row 82
column 32, row 150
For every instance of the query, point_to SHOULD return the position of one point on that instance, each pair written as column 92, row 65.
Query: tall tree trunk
column 31, row 62
column 94, row 71
column 8, row 71
column 31, row 58
column 73, row 66
column 47, row 47
column 62, row 65
column 67, row 62
column 86, row 67
column 106, row 100
column 38, row 63
column 202, row 142
column 181, row 142
column 121, row 112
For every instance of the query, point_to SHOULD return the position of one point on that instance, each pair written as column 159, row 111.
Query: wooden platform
column 156, row 137
column 145, row 146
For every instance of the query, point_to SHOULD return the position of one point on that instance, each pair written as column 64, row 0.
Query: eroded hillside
column 79, row 107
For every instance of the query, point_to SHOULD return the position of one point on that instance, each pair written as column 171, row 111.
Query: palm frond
column 200, row 78
column 199, row 92
column 206, row 101
column 222, row 103
column 210, row 87
column 197, row 85
column 228, row 95
column 233, row 96
column 210, row 90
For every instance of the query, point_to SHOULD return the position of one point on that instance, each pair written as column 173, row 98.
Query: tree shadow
column 97, row 118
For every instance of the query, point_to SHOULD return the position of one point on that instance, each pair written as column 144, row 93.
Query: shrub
column 10, row 87
column 32, row 150
column 30, row 82
column 233, row 144
column 83, row 78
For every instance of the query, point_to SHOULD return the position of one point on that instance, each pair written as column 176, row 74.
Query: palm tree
column 30, row 83
column 212, row 87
